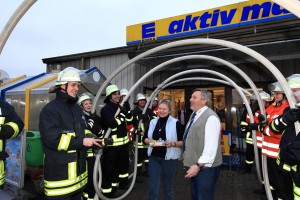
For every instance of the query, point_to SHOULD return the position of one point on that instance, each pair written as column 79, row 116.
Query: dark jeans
column 203, row 185
column 159, row 168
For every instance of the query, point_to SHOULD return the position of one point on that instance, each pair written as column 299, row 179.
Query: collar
column 65, row 97
column 201, row 110
column 86, row 112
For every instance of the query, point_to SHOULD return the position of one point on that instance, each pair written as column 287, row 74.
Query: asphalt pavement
column 231, row 185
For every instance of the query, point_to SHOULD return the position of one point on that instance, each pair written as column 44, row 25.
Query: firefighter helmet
column 294, row 81
column 264, row 96
column 276, row 87
column 111, row 89
column 123, row 92
column 147, row 97
column 67, row 75
column 85, row 96
column 140, row 96
column 253, row 97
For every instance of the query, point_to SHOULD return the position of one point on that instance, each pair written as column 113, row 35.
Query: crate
column 232, row 160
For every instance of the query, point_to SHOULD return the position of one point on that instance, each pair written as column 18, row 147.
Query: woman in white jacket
column 164, row 137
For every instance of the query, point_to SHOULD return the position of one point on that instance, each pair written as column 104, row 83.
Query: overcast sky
column 61, row 27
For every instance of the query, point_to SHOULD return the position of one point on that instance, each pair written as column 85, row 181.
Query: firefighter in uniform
column 155, row 106
column 288, row 159
column 129, row 126
column 10, row 127
column 270, row 144
column 137, row 116
column 245, row 120
column 63, row 139
column 123, row 93
column 93, row 124
column 115, row 161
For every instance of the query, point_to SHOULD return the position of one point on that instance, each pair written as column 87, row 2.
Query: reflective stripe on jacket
column 10, row 127
column 62, row 127
column 270, row 145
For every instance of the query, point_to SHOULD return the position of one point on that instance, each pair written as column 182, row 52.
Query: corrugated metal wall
column 108, row 64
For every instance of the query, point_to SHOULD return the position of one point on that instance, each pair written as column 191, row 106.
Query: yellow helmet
column 67, row 75
column 111, row 89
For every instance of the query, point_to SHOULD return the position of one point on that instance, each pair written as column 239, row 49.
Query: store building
column 260, row 25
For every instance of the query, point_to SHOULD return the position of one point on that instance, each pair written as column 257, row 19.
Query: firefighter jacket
column 117, row 124
column 289, row 151
column 10, row 126
column 93, row 129
column 289, row 148
column 93, row 126
column 271, row 140
column 249, row 137
column 93, row 123
column 155, row 110
column 136, row 112
column 62, row 132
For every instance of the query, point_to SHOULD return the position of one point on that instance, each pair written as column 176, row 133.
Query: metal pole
column 229, row 44
column 230, row 65
column 194, row 79
column 12, row 22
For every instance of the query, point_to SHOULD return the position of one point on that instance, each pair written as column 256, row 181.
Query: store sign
column 240, row 14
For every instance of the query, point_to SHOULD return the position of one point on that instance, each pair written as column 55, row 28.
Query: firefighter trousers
column 295, row 174
column 89, row 190
column 115, row 166
column 249, row 157
column 279, row 180
column 142, row 159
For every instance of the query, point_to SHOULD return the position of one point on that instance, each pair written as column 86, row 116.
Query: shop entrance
column 180, row 100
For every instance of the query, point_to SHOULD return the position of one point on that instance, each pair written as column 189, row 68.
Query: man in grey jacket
column 202, row 152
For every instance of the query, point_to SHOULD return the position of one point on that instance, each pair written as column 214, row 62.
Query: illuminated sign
column 230, row 16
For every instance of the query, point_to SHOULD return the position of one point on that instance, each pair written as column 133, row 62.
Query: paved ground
column 231, row 185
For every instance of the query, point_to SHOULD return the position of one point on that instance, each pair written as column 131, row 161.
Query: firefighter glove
column 125, row 111
column 91, row 136
column 138, row 132
column 291, row 116
column 108, row 141
column 258, row 127
column 261, row 118
column 121, row 116
column 144, row 117
column 262, row 125
column 244, row 127
column 253, row 126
